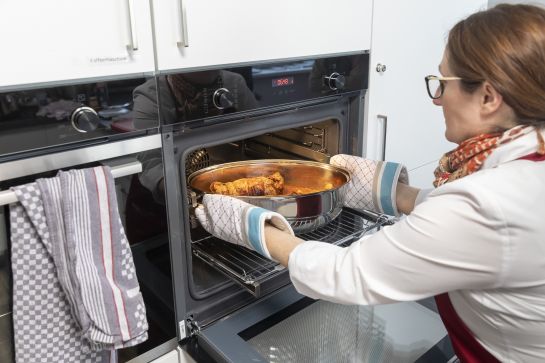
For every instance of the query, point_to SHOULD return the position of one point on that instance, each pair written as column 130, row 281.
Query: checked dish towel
column 76, row 297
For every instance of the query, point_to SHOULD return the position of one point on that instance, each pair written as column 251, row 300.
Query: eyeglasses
column 436, row 85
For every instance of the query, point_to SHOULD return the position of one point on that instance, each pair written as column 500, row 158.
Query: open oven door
column 288, row 327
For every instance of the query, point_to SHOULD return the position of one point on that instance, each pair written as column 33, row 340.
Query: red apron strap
column 467, row 348
column 533, row 157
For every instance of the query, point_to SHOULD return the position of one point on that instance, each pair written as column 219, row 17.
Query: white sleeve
column 453, row 240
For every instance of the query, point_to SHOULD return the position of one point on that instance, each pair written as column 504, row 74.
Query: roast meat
column 260, row 185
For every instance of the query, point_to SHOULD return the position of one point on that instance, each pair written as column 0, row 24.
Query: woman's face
column 460, row 109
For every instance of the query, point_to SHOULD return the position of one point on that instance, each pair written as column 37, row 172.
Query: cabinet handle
column 132, row 41
column 182, row 36
column 384, row 118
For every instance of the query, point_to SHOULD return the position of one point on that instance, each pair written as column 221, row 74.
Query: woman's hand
column 280, row 243
column 406, row 197
column 374, row 184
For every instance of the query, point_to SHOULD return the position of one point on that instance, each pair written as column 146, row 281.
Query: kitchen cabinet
column 66, row 40
column 192, row 33
column 55, row 41
column 407, row 44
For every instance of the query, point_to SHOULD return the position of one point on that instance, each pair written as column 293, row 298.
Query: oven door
column 287, row 327
column 142, row 214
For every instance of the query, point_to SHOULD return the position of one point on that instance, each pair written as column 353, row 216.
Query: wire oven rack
column 257, row 274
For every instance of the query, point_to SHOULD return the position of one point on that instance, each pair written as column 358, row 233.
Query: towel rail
column 134, row 167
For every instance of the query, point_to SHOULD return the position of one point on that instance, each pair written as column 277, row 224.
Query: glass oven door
column 287, row 327
column 135, row 166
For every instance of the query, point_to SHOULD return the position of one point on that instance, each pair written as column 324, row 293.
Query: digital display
column 281, row 82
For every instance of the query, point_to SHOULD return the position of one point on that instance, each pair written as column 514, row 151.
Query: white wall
column 533, row 2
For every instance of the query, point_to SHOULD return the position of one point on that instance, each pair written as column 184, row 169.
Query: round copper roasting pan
column 305, row 212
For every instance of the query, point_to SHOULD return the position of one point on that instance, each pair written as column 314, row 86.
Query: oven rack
column 258, row 274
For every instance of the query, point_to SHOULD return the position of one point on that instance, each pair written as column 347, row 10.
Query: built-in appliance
column 82, row 125
column 226, row 295
column 299, row 110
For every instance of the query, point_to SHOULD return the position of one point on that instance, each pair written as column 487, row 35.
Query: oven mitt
column 238, row 222
column 373, row 184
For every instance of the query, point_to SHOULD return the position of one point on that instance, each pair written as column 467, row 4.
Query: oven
column 43, row 130
column 231, row 304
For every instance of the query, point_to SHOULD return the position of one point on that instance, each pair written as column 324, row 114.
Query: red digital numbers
column 279, row 82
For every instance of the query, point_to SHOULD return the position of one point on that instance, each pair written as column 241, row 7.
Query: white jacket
column 481, row 238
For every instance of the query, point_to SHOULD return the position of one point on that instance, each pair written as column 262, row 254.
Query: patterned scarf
column 470, row 155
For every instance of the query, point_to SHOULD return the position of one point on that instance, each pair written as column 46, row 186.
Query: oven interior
column 217, row 264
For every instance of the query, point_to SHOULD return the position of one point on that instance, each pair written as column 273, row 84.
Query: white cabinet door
column 409, row 38
column 57, row 40
column 197, row 33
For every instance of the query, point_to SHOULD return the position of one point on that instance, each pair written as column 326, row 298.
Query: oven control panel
column 335, row 81
column 223, row 99
column 216, row 92
column 63, row 116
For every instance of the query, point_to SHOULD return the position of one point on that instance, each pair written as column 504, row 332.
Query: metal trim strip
column 43, row 163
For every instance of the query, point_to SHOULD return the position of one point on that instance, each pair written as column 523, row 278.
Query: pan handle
column 193, row 201
column 193, row 198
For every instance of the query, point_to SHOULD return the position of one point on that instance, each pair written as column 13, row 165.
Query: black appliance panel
column 199, row 95
column 51, row 119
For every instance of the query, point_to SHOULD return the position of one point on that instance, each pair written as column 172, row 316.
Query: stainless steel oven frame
column 196, row 311
column 70, row 158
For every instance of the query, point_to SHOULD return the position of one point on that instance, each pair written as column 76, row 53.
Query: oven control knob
column 84, row 119
column 223, row 99
column 335, row 81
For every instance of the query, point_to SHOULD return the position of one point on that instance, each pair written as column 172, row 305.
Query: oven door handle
column 134, row 167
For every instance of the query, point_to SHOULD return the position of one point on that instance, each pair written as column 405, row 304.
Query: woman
column 477, row 241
